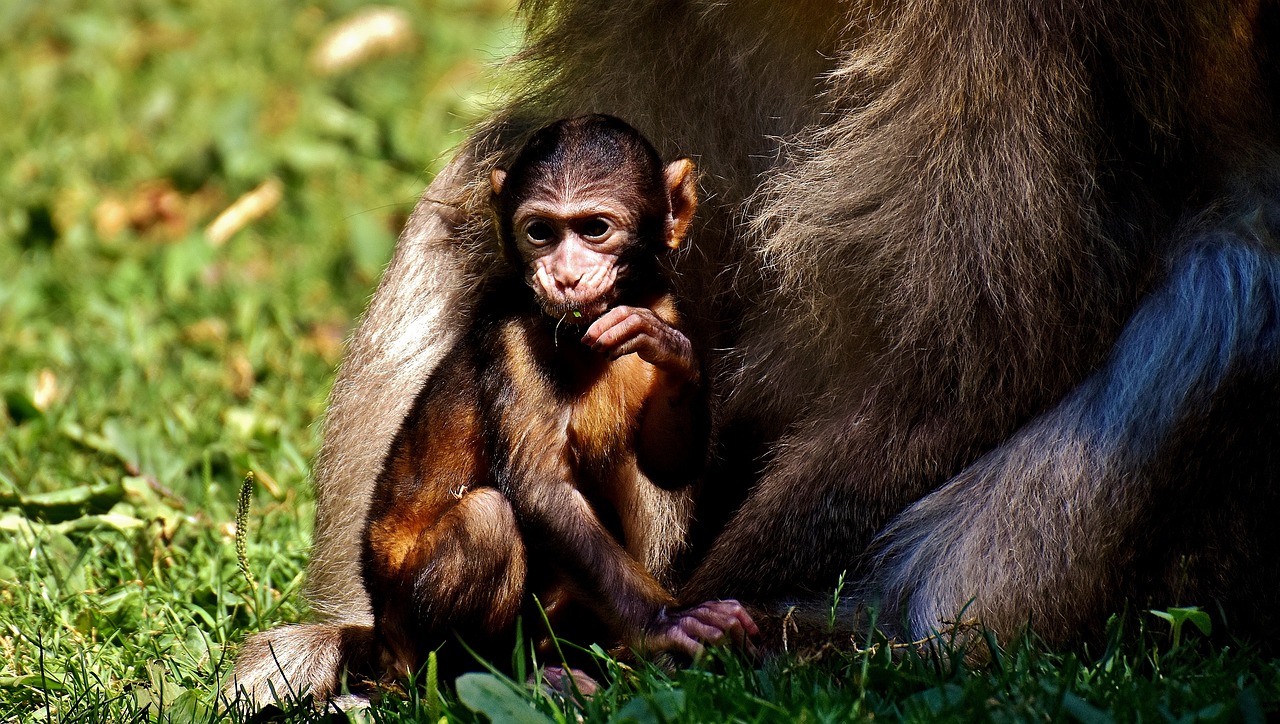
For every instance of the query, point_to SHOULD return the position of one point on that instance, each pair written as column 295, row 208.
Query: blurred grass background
column 196, row 199
column 145, row 366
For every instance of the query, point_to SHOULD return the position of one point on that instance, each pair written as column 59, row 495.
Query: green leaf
column 1083, row 711
column 62, row 505
column 1179, row 616
column 84, row 524
column 497, row 699
column 1199, row 618
column 43, row 682
column 657, row 708
column 189, row 708
column 936, row 700
column 184, row 264
column 433, row 687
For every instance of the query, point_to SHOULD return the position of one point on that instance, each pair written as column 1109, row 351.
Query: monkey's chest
column 603, row 418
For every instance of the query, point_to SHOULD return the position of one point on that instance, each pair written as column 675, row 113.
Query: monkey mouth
column 578, row 312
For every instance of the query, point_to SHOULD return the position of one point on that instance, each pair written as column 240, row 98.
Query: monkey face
column 573, row 251
column 586, row 209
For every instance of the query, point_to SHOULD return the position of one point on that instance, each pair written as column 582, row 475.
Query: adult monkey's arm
column 410, row 322
column 404, row 332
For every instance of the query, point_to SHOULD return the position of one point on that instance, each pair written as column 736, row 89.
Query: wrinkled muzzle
column 579, row 300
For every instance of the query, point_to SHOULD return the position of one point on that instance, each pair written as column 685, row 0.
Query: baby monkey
column 542, row 459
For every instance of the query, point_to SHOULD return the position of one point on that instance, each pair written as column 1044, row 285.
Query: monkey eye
column 539, row 232
column 595, row 228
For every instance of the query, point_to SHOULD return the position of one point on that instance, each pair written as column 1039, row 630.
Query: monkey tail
column 804, row 627
column 289, row 663
column 807, row 628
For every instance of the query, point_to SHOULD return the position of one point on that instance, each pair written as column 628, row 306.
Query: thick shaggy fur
column 992, row 289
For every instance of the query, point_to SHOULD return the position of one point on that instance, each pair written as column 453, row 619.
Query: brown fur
column 930, row 228
column 467, row 571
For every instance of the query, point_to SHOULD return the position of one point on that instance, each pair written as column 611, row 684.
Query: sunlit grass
column 134, row 348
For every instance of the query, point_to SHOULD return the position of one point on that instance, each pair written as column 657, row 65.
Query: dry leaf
column 110, row 217
column 158, row 207
column 210, row 331
column 240, row 373
column 246, row 210
column 370, row 33
column 46, row 391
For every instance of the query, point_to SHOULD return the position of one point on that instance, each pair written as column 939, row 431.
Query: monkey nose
column 569, row 281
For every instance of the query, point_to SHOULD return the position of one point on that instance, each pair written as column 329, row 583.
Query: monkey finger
column 604, row 323
column 658, row 350
column 707, row 633
column 732, row 618
column 640, row 331
column 726, row 623
column 565, row 681
column 641, row 344
column 738, row 611
column 622, row 331
column 614, row 316
column 674, row 639
column 716, row 627
column 733, row 634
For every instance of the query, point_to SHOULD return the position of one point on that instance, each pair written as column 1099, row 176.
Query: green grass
column 144, row 370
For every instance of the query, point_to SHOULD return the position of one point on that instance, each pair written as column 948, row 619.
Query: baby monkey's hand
column 624, row 330
column 709, row 623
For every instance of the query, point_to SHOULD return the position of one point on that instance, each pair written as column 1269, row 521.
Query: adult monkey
column 1002, row 313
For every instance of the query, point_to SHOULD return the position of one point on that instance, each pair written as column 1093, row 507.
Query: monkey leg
column 291, row 662
column 464, row 576
column 1155, row 481
column 1151, row 482
column 408, row 327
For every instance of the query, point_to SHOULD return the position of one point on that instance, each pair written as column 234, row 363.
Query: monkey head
column 585, row 210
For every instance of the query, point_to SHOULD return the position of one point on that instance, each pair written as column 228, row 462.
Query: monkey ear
column 682, row 187
column 497, row 178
